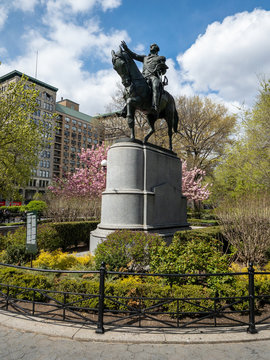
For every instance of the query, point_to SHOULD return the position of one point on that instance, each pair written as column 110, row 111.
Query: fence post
column 251, row 329
column 33, row 305
column 7, row 298
column 102, row 273
column 64, row 306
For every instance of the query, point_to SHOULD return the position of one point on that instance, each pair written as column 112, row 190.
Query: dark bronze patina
column 145, row 91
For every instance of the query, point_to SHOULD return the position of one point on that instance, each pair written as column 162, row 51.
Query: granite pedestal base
column 143, row 192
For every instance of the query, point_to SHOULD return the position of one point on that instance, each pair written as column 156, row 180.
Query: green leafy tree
column 245, row 167
column 20, row 137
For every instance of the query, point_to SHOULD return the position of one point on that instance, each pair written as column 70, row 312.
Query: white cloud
column 67, row 8
column 229, row 57
column 3, row 15
column 110, row 4
column 62, row 51
column 139, row 48
column 25, row 5
column 224, row 62
column 176, row 86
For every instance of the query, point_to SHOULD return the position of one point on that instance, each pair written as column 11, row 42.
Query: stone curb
column 79, row 332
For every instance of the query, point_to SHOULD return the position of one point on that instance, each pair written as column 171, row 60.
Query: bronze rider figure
column 153, row 68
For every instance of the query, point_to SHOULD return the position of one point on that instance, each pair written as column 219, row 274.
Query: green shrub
column 16, row 254
column 79, row 286
column 22, row 279
column 140, row 291
column 204, row 214
column 35, row 205
column 14, row 247
column 53, row 236
column 208, row 233
column 13, row 238
column 191, row 255
column 14, row 209
column 185, row 292
column 50, row 237
column 125, row 249
column 202, row 222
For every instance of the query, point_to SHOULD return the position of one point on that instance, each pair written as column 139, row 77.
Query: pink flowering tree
column 87, row 181
column 79, row 194
column 192, row 186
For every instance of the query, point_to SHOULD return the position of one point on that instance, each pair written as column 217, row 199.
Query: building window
column 67, row 119
column 74, row 122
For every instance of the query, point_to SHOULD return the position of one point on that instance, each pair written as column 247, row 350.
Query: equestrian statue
column 145, row 91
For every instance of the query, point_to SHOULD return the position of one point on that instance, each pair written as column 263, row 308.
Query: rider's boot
column 155, row 102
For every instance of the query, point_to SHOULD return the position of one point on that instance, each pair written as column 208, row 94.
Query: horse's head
column 121, row 66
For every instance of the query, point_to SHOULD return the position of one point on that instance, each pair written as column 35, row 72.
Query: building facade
column 75, row 130
column 70, row 131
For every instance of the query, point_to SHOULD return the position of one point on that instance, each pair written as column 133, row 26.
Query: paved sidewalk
column 131, row 335
column 24, row 338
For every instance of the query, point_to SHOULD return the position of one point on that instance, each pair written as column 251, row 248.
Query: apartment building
column 75, row 130
column 71, row 131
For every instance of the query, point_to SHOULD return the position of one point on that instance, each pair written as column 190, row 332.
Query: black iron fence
column 105, row 310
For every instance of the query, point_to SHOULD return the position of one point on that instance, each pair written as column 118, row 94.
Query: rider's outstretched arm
column 131, row 53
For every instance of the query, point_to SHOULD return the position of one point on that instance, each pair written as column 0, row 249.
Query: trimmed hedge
column 14, row 209
column 50, row 237
column 202, row 222
column 206, row 233
column 53, row 236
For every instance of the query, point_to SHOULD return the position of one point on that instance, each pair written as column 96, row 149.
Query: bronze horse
column 138, row 96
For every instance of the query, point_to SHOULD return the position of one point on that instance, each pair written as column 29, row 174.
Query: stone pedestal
column 143, row 192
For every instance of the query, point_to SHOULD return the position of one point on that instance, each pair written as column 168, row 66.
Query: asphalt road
column 15, row 345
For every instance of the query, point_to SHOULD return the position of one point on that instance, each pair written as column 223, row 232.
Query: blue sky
column 216, row 48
